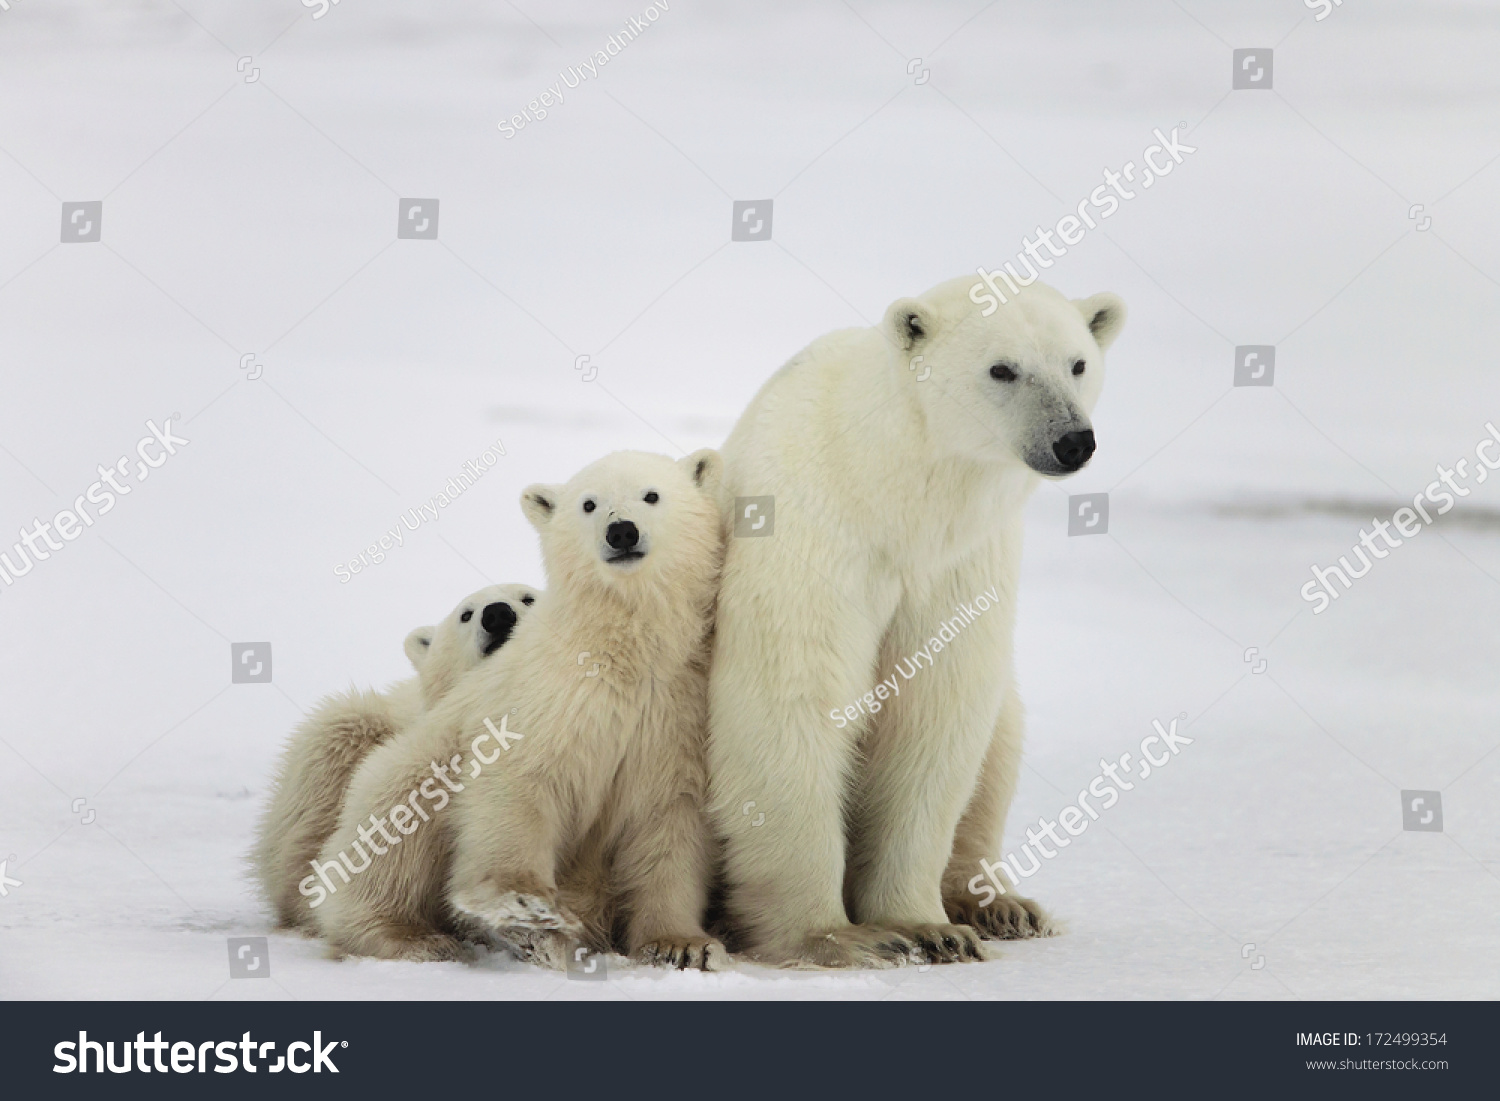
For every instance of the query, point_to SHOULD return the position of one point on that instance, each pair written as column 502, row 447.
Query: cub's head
column 1016, row 386
column 479, row 626
column 633, row 522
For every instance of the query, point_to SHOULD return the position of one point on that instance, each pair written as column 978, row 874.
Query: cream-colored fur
column 900, row 464
column 307, row 790
column 588, row 826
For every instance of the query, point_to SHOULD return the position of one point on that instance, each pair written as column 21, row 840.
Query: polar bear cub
column 578, row 813
column 323, row 752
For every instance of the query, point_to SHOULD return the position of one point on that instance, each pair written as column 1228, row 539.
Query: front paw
column 1008, row 917
column 433, row 948
column 499, row 908
column 942, row 943
column 700, row 953
column 847, row 946
column 541, row 947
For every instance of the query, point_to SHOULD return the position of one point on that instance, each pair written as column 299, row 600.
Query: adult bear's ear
column 705, row 467
column 908, row 322
column 539, row 503
column 418, row 646
column 1104, row 314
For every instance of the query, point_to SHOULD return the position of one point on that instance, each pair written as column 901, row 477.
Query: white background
column 260, row 218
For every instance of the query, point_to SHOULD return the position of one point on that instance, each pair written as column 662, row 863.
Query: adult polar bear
column 899, row 458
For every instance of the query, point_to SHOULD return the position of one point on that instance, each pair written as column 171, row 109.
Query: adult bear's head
column 1013, row 380
column 634, row 523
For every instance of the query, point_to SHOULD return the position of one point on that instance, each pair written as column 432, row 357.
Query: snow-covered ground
column 250, row 208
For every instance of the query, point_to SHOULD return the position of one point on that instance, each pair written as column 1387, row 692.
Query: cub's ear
column 539, row 503
column 418, row 646
column 1104, row 314
column 705, row 467
column 908, row 323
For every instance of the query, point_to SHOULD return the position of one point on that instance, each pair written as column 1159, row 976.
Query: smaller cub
column 323, row 752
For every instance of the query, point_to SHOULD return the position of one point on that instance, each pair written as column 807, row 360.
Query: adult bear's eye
column 1003, row 372
column 588, row 506
column 1078, row 367
column 528, row 600
column 468, row 615
column 652, row 497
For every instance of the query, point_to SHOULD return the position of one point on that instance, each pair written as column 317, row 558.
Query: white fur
column 307, row 790
column 591, row 823
column 896, row 498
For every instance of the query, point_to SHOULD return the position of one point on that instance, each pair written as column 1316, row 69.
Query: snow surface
column 259, row 218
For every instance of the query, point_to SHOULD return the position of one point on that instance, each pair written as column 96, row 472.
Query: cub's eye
column 1078, row 367
column 468, row 615
column 1003, row 372
column 588, row 506
column 652, row 497
column 528, row 600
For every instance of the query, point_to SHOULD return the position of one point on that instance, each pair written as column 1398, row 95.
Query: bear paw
column 1006, row 918
column 847, row 946
column 540, row 947
column 942, row 943
column 701, row 953
column 430, row 948
column 500, row 909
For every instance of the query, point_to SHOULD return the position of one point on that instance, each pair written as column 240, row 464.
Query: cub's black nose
column 622, row 535
column 1074, row 449
column 497, row 619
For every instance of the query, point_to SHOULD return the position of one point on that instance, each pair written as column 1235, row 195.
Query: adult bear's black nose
column 497, row 619
column 622, row 535
column 1074, row 449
